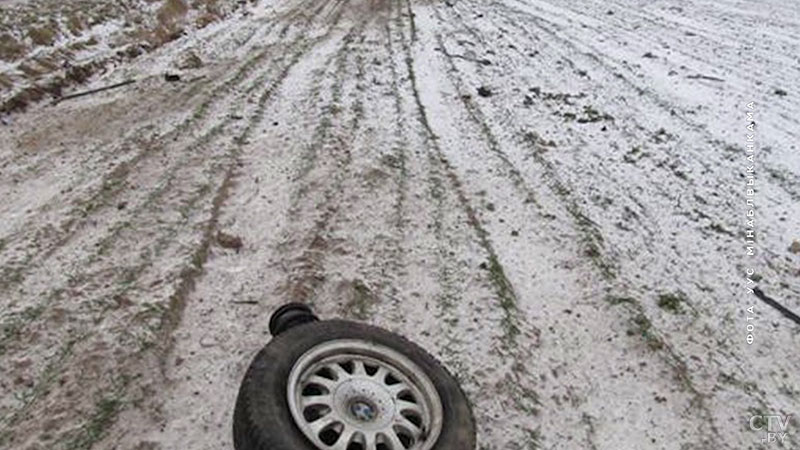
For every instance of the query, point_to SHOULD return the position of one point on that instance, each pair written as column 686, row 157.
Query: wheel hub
column 362, row 411
column 365, row 403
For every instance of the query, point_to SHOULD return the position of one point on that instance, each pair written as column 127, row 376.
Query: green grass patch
column 361, row 300
column 104, row 415
column 591, row 115
column 672, row 302
column 641, row 326
column 619, row 300
column 505, row 294
column 533, row 439
column 12, row 327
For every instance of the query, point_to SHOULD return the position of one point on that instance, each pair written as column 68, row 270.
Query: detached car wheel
column 341, row 385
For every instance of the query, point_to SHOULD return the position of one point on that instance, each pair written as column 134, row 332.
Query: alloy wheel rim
column 357, row 395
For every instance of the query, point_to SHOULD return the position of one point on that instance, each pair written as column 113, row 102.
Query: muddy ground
column 549, row 196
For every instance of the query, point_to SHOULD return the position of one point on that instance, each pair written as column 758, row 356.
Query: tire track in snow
column 163, row 185
column 689, row 124
column 307, row 250
column 104, row 152
column 680, row 367
column 604, row 59
column 728, row 56
column 101, row 194
column 173, row 312
column 369, row 263
column 561, row 191
column 206, row 363
column 515, row 382
column 591, row 234
column 693, row 124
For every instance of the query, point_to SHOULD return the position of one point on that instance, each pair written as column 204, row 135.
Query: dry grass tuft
column 53, row 88
column 211, row 13
column 43, row 35
column 171, row 12
column 10, row 48
column 205, row 20
column 170, row 17
column 29, row 70
column 6, row 82
column 75, row 24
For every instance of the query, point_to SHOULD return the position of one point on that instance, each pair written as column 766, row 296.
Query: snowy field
column 548, row 195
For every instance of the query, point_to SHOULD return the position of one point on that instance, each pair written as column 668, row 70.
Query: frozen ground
column 568, row 240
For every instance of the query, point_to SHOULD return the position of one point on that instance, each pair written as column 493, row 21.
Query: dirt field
column 549, row 196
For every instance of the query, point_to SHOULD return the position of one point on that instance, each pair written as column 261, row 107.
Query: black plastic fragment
column 290, row 315
column 772, row 302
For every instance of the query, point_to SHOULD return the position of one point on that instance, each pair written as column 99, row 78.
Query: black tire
column 262, row 419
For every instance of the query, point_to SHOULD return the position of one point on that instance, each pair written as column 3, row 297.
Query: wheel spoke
column 381, row 373
column 397, row 389
column 323, row 422
column 341, row 374
column 394, row 440
column 408, row 426
column 312, row 400
column 347, row 436
column 370, row 442
column 403, row 405
column 322, row 381
column 358, row 368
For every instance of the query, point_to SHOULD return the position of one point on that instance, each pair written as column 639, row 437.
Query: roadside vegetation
column 49, row 46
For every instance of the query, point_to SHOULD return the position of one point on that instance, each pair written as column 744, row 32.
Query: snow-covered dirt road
column 549, row 196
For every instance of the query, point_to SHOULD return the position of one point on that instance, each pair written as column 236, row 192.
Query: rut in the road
column 193, row 184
